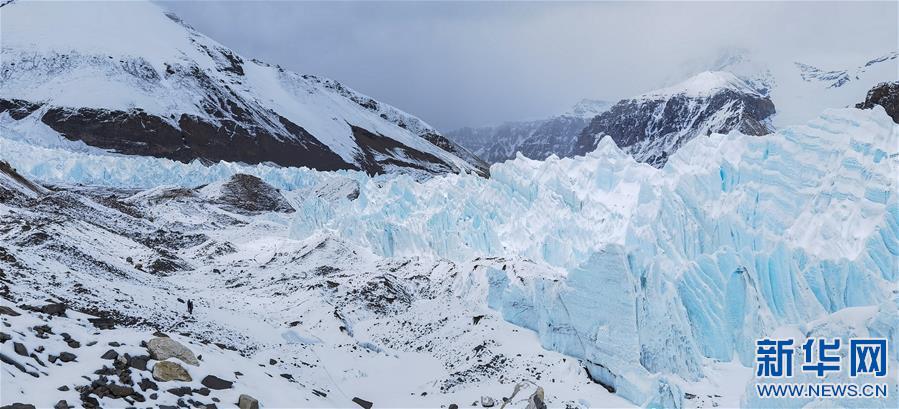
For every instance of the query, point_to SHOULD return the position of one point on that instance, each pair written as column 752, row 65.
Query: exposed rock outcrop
column 885, row 94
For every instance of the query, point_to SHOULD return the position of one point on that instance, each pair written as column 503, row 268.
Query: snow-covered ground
column 582, row 276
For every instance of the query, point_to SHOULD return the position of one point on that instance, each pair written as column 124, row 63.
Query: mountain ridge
column 196, row 98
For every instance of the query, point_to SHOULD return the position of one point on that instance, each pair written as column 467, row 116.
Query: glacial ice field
column 663, row 272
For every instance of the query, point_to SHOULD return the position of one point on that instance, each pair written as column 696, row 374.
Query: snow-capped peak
column 702, row 85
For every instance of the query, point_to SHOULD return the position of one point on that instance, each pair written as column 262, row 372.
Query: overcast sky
column 473, row 63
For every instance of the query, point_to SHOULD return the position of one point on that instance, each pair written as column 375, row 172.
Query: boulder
column 20, row 349
column 247, row 402
column 165, row 371
column 67, row 357
column 120, row 391
column 162, row 348
column 363, row 403
column 4, row 310
column 214, row 382
column 487, row 402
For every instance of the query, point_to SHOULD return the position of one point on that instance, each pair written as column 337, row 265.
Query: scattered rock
column 119, row 390
column 57, row 309
column 4, row 310
column 362, row 402
column 4, row 337
column 67, row 357
column 102, row 323
column 137, row 362
column 214, row 382
column 179, row 392
column 476, row 319
column 247, row 402
column 63, row 388
column 18, row 406
column 453, row 406
column 111, row 354
column 202, row 391
column 146, row 384
column 487, row 402
column 162, row 348
column 165, row 371
column 20, row 348
column 317, row 392
column 73, row 344
column 62, row 405
column 272, row 362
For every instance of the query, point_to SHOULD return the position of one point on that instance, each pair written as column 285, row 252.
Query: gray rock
column 247, row 402
column 4, row 310
column 20, row 348
column 487, row 402
column 162, row 348
column 67, row 357
column 214, row 382
column 119, row 390
column 165, row 371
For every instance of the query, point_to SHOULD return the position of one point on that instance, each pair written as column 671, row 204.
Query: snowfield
column 604, row 281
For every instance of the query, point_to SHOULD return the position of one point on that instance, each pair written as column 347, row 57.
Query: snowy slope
column 652, row 126
column 132, row 78
column 311, row 322
column 537, row 139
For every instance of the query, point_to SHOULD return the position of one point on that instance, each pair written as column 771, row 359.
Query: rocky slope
column 133, row 79
column 534, row 139
column 654, row 125
column 95, row 279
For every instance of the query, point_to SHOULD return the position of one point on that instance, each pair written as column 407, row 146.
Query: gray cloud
column 465, row 63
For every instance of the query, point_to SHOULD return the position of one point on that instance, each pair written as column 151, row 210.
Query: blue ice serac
column 657, row 272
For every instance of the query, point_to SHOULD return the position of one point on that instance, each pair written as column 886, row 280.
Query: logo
column 821, row 356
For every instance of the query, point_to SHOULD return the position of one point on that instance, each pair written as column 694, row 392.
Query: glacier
column 668, row 268
column 660, row 271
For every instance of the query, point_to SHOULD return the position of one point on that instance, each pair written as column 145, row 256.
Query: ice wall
column 735, row 236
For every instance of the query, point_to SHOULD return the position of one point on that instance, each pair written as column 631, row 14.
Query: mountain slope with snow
column 131, row 78
column 801, row 88
column 652, row 126
column 537, row 139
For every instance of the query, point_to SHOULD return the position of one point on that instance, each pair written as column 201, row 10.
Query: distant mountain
column 132, row 79
column 654, row 125
column 537, row 139
column 802, row 88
